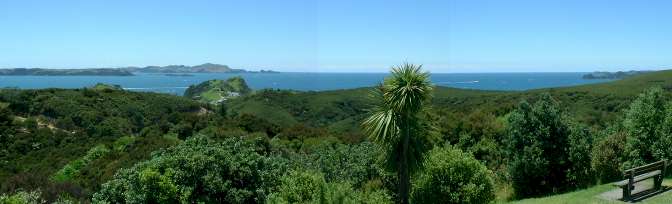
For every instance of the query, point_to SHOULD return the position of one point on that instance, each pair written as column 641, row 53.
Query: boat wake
column 457, row 82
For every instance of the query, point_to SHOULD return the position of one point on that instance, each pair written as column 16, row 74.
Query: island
column 65, row 72
column 203, row 68
column 612, row 75
column 217, row 91
column 173, row 70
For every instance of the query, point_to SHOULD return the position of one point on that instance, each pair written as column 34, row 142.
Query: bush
column 311, row 187
column 548, row 153
column 355, row 164
column 481, row 135
column 451, row 176
column 647, row 123
column 22, row 197
column 71, row 170
column 580, row 173
column 607, row 156
column 198, row 170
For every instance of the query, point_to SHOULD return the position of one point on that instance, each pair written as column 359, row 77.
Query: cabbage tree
column 396, row 122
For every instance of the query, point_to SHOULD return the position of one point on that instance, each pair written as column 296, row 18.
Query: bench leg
column 626, row 193
column 657, row 182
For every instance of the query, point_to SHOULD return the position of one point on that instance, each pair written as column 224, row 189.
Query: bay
column 177, row 84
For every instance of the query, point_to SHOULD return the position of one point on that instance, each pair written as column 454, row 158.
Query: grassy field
column 591, row 195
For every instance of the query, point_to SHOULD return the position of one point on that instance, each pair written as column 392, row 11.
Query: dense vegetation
column 281, row 146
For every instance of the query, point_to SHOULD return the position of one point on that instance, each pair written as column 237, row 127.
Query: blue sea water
column 299, row 81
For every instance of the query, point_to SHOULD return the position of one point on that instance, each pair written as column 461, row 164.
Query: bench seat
column 638, row 178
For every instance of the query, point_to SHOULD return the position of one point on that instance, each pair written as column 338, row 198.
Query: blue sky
column 340, row 36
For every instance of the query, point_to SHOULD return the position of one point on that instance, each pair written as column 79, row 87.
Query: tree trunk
column 404, row 177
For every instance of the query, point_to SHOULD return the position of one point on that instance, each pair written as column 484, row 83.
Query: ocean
column 300, row 81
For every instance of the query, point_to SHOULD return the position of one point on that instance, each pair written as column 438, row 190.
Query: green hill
column 70, row 141
column 341, row 110
column 216, row 91
column 102, row 87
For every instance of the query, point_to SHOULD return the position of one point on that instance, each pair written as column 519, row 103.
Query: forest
column 406, row 141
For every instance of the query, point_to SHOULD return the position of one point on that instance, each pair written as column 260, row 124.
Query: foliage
column 451, row 176
column 310, row 187
column 480, row 134
column 71, row 170
column 356, row 164
column 123, row 142
column 607, row 156
column 198, row 170
column 647, row 123
column 539, row 136
column 43, row 130
column 580, row 144
column 396, row 122
column 22, row 197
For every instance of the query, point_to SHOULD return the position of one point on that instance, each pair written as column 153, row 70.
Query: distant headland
column 613, row 75
column 127, row 71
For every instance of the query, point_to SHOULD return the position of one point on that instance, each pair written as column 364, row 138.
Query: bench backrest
column 659, row 165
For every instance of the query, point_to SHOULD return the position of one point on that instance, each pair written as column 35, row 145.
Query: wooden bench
column 654, row 170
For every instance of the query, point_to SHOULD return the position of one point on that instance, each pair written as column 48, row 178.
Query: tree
column 579, row 154
column 537, row 143
column 647, row 123
column 608, row 154
column 396, row 121
column 451, row 176
column 199, row 170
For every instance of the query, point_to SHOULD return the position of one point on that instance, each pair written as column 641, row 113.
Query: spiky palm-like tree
column 396, row 122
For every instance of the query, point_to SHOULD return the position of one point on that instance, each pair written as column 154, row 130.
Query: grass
column 211, row 95
column 591, row 195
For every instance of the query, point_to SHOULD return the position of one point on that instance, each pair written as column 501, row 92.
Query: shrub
column 198, row 170
column 311, row 187
column 607, row 156
column 356, row 164
column 580, row 141
column 548, row 153
column 121, row 143
column 71, row 170
column 481, row 135
column 647, row 123
column 22, row 197
column 451, row 176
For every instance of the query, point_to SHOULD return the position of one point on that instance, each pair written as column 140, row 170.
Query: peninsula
column 127, row 71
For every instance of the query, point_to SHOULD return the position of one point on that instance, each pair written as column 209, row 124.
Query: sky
column 446, row 36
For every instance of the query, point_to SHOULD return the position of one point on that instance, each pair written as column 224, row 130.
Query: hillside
column 341, row 110
column 216, row 91
column 203, row 68
column 43, row 131
column 71, row 141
